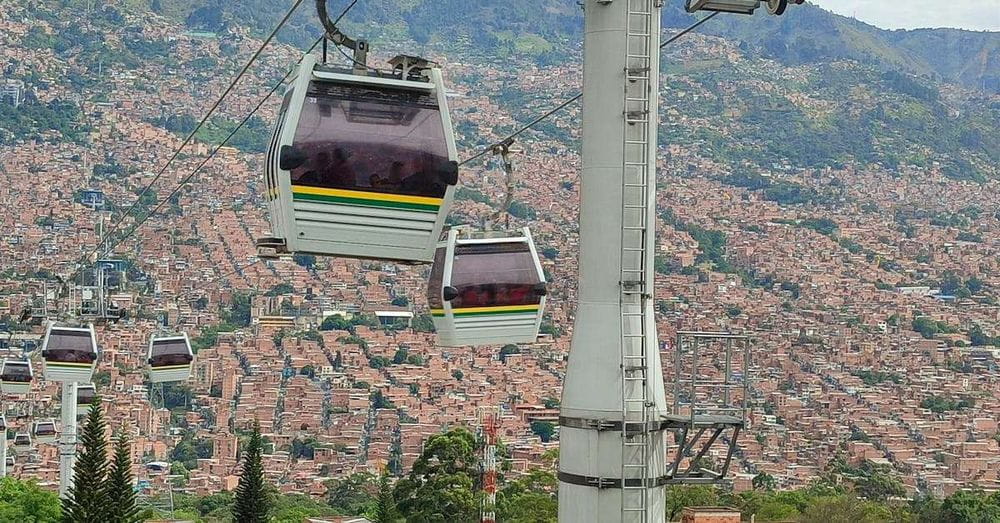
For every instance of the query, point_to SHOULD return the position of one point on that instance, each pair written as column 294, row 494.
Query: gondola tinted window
column 16, row 372
column 358, row 138
column 70, row 347
column 170, row 352
column 494, row 275
column 85, row 394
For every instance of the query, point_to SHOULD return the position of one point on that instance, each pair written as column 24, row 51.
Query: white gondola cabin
column 70, row 353
column 44, row 431
column 16, row 376
column 169, row 358
column 86, row 394
column 22, row 442
column 361, row 166
column 486, row 291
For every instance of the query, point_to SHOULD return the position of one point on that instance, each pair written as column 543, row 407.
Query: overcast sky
column 978, row 15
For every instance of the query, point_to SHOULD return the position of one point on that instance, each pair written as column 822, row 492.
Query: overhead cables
column 490, row 148
column 232, row 133
column 187, row 179
column 193, row 132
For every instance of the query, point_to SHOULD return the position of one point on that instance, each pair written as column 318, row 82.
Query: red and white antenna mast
column 489, row 426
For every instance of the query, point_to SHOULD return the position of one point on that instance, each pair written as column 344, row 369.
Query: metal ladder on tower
column 636, row 289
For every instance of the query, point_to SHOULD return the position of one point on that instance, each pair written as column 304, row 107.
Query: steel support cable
column 193, row 132
column 572, row 100
column 225, row 141
column 187, row 179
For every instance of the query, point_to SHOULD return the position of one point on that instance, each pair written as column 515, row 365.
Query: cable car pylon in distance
column 169, row 358
column 361, row 166
column 486, row 288
column 16, row 376
column 70, row 353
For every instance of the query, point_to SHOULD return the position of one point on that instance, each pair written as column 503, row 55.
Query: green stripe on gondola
column 170, row 367
column 367, row 203
column 488, row 311
column 69, row 365
column 460, row 314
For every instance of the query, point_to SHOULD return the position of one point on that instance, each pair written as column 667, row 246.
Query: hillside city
column 869, row 281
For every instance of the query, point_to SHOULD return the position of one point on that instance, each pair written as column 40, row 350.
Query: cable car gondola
column 70, row 353
column 16, row 376
column 169, row 358
column 22, row 442
column 86, row 394
column 486, row 291
column 361, row 166
column 44, row 431
column 3, row 426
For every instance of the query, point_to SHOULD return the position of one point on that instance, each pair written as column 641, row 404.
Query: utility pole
column 612, row 442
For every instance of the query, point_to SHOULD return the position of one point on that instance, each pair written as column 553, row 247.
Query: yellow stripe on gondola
column 69, row 365
column 366, row 195
column 474, row 311
column 170, row 367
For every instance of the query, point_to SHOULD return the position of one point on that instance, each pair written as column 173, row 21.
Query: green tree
column 764, row 481
column 971, row 507
column 252, row 502
column 336, row 322
column 846, row 509
column 122, row 506
column 507, row 350
column 530, row 499
column 87, row 500
column 385, row 505
column 304, row 260
column 543, row 429
column 423, row 323
column 354, row 494
column 679, row 497
column 25, row 501
column 440, row 485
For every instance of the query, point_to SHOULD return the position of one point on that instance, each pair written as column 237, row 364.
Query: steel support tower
column 67, row 440
column 3, row 453
column 489, row 425
column 612, row 464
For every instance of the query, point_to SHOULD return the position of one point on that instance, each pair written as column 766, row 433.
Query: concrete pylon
column 614, row 382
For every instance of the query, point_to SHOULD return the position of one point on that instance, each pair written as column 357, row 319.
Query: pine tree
column 87, row 501
column 251, row 503
column 385, row 506
column 122, row 506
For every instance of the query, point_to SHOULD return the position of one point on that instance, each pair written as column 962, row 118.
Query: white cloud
column 977, row 15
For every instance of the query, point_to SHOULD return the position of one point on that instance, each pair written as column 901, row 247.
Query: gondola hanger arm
column 335, row 35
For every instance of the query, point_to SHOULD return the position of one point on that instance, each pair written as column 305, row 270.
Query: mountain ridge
column 551, row 31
